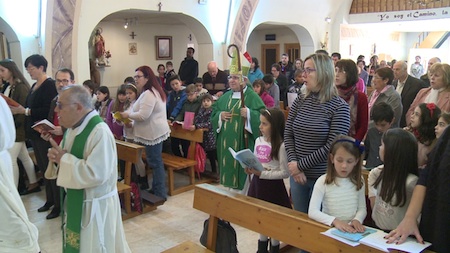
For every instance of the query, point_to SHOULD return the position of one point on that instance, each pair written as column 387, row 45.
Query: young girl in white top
column 391, row 185
column 338, row 198
column 268, row 185
column 132, row 94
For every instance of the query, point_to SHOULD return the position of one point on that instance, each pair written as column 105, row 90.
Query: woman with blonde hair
column 314, row 121
column 438, row 92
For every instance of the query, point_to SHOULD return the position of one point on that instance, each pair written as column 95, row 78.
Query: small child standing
column 259, row 88
column 423, row 120
column 103, row 101
column 443, row 122
column 117, row 105
column 391, row 185
column 203, row 120
column 338, row 198
column 198, row 81
column 268, row 185
column 383, row 117
column 132, row 94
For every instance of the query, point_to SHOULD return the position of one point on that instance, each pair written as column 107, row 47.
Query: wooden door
column 293, row 51
column 270, row 53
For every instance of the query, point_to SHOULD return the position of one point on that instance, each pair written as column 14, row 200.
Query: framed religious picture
column 132, row 48
column 163, row 47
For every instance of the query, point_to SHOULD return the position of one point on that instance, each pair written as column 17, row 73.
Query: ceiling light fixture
column 328, row 19
column 422, row 2
column 126, row 24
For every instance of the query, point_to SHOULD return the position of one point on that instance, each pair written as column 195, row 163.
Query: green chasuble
column 231, row 134
column 75, row 197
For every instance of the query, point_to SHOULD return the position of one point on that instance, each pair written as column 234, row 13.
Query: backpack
column 136, row 200
column 200, row 158
column 226, row 237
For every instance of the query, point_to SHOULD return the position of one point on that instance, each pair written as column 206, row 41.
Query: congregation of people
column 318, row 122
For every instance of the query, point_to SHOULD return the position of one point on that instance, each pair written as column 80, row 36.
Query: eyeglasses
column 233, row 77
column 309, row 70
column 30, row 68
column 63, row 81
column 137, row 77
column 60, row 106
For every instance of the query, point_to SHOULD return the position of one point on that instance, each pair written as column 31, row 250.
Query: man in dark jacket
column 188, row 67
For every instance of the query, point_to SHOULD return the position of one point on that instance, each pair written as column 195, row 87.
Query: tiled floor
column 172, row 223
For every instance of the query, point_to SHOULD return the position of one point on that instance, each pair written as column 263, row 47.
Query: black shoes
column 26, row 191
column 53, row 214
column 45, row 207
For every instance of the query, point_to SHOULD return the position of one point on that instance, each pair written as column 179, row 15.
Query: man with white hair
column 407, row 86
column 425, row 78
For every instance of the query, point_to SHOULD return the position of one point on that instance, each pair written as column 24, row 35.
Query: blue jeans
column 301, row 194
column 154, row 160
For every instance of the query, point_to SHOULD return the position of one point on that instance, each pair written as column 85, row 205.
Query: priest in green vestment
column 229, row 119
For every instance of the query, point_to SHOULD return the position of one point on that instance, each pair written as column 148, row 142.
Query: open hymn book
column 43, row 126
column 247, row 159
column 375, row 238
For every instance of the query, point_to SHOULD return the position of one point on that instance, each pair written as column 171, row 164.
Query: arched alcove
column 12, row 40
column 267, row 41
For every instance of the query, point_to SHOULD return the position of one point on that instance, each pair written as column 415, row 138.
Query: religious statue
column 99, row 47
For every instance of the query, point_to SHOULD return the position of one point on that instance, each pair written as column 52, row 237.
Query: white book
column 43, row 126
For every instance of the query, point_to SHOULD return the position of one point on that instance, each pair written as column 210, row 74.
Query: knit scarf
column 350, row 95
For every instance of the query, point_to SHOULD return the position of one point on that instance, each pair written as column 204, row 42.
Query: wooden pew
column 174, row 163
column 131, row 153
column 289, row 226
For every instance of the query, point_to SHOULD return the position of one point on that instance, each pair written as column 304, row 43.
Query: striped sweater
column 311, row 128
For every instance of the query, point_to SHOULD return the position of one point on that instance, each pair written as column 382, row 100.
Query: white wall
column 123, row 64
column 283, row 35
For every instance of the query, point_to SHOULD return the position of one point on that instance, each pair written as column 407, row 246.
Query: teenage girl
column 423, row 120
column 338, row 198
column 443, row 122
column 391, row 185
column 268, row 185
column 103, row 101
column 132, row 94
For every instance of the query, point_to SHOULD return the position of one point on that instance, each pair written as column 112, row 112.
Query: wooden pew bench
column 175, row 163
column 131, row 153
column 286, row 225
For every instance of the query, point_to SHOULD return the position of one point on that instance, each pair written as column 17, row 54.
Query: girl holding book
column 268, row 184
column 117, row 105
column 338, row 198
column 391, row 185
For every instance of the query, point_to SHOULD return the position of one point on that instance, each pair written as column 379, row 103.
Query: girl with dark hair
column 346, row 80
column 443, row 122
column 255, row 71
column 18, row 90
column 423, row 120
column 268, row 185
column 260, row 88
column 150, row 125
column 103, row 101
column 391, row 185
column 161, row 75
column 117, row 105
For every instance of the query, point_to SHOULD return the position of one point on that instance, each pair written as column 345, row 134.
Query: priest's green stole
column 74, row 197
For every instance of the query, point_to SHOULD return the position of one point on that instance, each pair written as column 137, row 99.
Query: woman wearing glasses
column 314, row 121
column 150, row 124
column 18, row 90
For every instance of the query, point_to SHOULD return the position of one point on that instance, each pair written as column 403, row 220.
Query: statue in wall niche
column 99, row 47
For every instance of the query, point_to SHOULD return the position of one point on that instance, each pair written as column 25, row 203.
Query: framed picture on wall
column 132, row 48
column 163, row 47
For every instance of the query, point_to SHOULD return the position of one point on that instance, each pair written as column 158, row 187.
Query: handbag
column 226, row 237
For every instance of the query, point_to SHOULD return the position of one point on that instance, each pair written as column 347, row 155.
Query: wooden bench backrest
column 194, row 137
column 130, row 153
column 286, row 225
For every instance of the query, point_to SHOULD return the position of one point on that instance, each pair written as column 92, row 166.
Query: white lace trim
column 152, row 142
